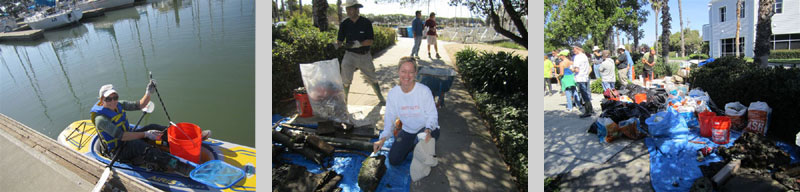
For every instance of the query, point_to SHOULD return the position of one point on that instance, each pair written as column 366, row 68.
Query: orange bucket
column 303, row 105
column 720, row 131
column 706, row 119
column 639, row 98
column 184, row 141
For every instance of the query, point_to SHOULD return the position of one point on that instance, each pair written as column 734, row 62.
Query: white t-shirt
column 582, row 63
column 415, row 109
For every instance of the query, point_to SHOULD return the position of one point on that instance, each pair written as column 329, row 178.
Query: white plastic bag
column 758, row 117
column 325, row 90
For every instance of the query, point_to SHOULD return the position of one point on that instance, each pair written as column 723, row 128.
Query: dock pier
column 34, row 162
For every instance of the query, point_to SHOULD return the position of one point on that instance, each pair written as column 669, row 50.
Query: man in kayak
column 413, row 104
column 110, row 119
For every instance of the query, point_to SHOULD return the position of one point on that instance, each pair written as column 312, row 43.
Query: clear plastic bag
column 323, row 81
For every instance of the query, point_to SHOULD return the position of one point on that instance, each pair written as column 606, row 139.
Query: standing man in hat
column 416, row 27
column 582, row 69
column 431, row 25
column 649, row 61
column 624, row 63
column 356, row 35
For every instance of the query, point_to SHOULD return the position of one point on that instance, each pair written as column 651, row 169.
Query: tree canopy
column 575, row 22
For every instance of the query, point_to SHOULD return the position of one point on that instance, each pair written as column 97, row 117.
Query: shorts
column 353, row 61
column 647, row 74
column 431, row 39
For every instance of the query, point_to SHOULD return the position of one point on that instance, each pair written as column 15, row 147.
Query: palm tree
column 665, row 24
column 339, row 11
column 319, row 10
column 656, row 5
column 763, row 31
column 738, row 24
column 680, row 14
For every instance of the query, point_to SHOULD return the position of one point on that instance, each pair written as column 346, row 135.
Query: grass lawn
column 785, row 61
column 509, row 44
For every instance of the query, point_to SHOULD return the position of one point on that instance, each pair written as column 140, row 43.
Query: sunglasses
column 112, row 98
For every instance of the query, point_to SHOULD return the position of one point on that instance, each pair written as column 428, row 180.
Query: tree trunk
column 655, row 9
column 738, row 25
column 283, row 11
column 609, row 41
column 763, row 31
column 300, row 6
column 680, row 14
column 636, row 37
column 339, row 11
column 319, row 10
column 665, row 24
column 522, row 39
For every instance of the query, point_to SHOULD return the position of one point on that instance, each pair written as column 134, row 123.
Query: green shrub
column 729, row 79
column 596, row 86
column 698, row 56
column 300, row 42
column 784, row 54
column 498, row 83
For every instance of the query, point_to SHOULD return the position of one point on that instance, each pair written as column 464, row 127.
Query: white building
column 721, row 30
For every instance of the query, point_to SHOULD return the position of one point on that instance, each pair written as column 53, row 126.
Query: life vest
column 120, row 120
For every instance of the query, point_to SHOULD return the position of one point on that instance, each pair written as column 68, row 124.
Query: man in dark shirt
column 356, row 35
column 432, row 35
column 416, row 27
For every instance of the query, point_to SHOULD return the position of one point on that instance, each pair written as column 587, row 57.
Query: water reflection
column 2, row 59
column 69, row 82
column 34, row 82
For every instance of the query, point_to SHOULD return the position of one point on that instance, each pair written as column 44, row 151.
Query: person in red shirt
column 431, row 25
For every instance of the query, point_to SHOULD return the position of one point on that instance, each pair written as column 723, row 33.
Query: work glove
column 153, row 134
column 151, row 87
column 353, row 45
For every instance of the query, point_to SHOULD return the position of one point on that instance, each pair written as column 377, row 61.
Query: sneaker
column 429, row 55
column 437, row 56
column 206, row 134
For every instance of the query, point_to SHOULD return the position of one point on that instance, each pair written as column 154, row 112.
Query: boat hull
column 54, row 20
column 81, row 137
column 104, row 4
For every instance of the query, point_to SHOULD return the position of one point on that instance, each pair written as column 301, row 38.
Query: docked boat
column 104, row 4
column 53, row 18
column 7, row 24
column 81, row 137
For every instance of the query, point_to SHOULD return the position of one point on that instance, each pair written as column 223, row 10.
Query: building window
column 722, row 14
column 741, row 12
column 728, row 46
column 786, row 41
column 778, row 6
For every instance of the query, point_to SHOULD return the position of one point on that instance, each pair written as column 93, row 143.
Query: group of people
column 410, row 102
column 417, row 27
column 571, row 70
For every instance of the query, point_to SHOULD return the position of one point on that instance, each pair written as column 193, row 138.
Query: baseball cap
column 106, row 90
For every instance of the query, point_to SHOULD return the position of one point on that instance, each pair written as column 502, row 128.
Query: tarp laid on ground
column 673, row 158
column 397, row 178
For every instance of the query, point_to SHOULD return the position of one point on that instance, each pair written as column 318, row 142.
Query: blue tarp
column 397, row 178
column 673, row 159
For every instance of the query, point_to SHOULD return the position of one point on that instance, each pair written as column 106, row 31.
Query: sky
column 694, row 11
column 440, row 7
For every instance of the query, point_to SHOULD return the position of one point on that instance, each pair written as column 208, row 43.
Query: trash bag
column 630, row 128
column 607, row 130
column 325, row 90
column 736, row 111
column 758, row 117
column 687, row 113
column 666, row 124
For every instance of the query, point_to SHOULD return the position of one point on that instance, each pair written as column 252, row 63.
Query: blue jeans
column 585, row 92
column 417, row 43
column 596, row 73
column 570, row 93
column 404, row 143
column 608, row 85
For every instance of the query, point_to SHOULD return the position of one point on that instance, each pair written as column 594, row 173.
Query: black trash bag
column 619, row 111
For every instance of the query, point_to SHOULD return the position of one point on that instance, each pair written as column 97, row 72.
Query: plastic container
column 706, row 119
column 303, row 105
column 184, row 141
column 721, row 132
column 641, row 97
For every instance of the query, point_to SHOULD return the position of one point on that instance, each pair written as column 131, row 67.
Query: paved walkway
column 588, row 164
column 468, row 159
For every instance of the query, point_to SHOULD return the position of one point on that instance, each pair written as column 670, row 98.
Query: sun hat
column 351, row 3
column 106, row 90
column 595, row 48
column 621, row 47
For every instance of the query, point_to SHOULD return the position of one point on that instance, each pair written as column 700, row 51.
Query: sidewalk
column 468, row 159
column 585, row 162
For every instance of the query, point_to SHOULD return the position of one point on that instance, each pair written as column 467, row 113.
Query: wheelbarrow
column 439, row 80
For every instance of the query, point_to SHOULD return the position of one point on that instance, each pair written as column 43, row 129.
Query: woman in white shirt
column 413, row 104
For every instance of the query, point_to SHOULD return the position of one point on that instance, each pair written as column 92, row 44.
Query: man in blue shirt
column 416, row 26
